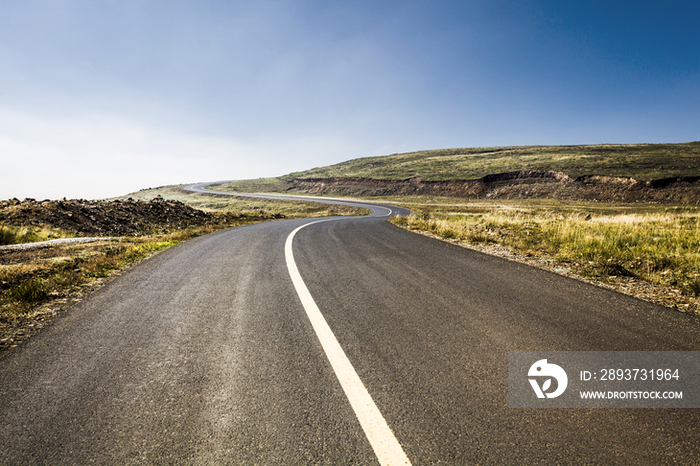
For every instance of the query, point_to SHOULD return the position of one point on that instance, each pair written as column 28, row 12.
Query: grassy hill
column 642, row 162
column 623, row 173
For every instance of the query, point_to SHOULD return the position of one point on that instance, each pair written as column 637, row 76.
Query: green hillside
column 640, row 161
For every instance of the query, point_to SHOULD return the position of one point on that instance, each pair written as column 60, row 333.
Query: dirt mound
column 516, row 185
column 108, row 218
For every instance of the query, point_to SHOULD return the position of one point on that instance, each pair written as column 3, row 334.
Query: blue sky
column 102, row 98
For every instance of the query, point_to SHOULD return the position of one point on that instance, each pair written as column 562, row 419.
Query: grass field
column 640, row 161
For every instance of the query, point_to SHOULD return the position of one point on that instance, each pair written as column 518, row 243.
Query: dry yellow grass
column 661, row 247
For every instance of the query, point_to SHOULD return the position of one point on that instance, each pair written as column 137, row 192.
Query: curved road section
column 208, row 354
column 380, row 210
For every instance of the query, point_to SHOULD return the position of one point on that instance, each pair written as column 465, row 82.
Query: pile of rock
column 108, row 218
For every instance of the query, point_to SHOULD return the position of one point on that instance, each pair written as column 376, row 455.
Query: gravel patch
column 55, row 242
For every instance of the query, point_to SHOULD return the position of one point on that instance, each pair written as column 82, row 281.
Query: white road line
column 390, row 211
column 380, row 436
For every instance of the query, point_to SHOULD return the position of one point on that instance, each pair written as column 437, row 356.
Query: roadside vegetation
column 607, row 243
column 27, row 234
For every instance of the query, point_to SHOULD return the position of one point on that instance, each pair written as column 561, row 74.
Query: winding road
column 337, row 341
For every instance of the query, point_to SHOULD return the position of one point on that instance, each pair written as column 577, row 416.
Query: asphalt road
column 206, row 354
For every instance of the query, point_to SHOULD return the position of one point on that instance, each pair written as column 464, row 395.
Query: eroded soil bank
column 525, row 184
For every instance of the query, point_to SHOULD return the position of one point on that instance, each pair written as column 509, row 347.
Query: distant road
column 389, row 210
column 211, row 352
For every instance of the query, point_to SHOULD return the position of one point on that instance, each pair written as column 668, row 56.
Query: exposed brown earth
column 110, row 218
column 527, row 184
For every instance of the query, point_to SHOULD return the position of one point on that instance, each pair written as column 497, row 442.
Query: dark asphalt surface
column 204, row 355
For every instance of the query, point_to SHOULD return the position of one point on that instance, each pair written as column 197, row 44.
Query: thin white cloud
column 98, row 156
column 109, row 155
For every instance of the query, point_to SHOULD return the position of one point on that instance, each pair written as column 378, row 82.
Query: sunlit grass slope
column 640, row 161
